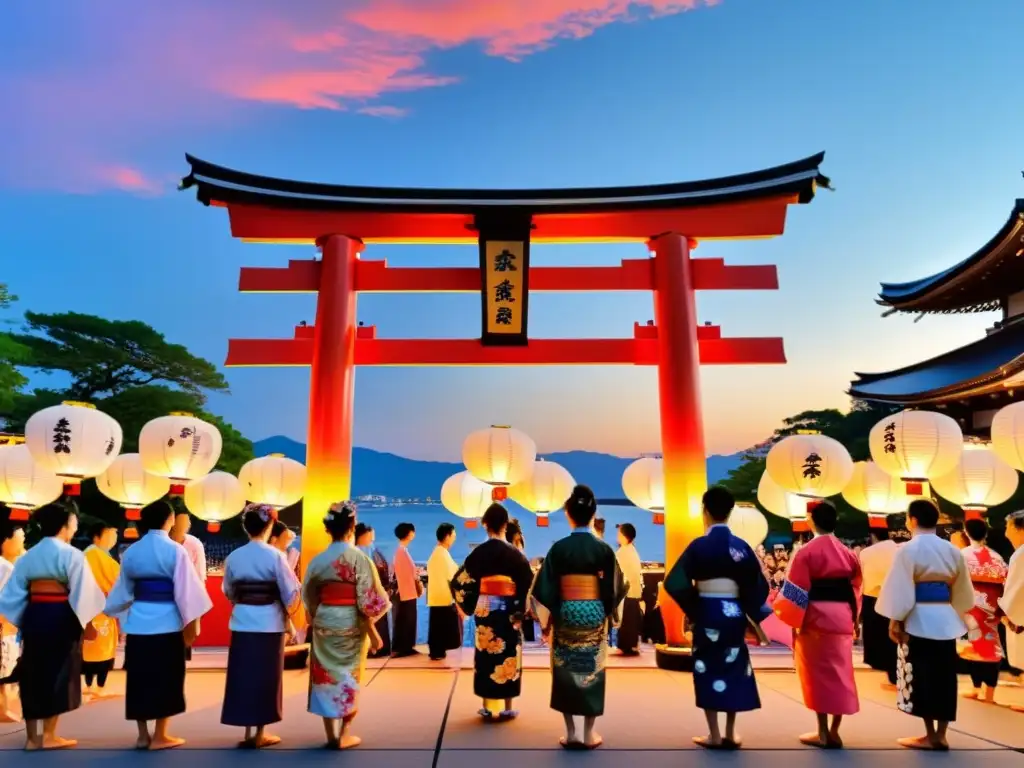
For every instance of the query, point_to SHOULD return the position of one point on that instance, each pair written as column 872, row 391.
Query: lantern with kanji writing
column 73, row 441
column 126, row 482
column 643, row 482
column 747, row 522
column 979, row 481
column 467, row 497
column 24, row 485
column 810, row 465
column 544, row 491
column 781, row 503
column 274, row 480
column 500, row 457
column 875, row 492
column 179, row 447
column 214, row 498
column 1008, row 435
column 916, row 446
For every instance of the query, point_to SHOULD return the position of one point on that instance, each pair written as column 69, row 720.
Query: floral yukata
column 983, row 651
column 580, row 584
column 343, row 596
column 492, row 586
column 719, row 583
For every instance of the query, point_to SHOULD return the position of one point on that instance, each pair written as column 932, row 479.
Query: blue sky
column 914, row 103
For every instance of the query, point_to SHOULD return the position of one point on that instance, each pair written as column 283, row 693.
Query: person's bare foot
column 165, row 742
column 917, row 742
column 708, row 743
column 56, row 742
column 349, row 742
column 143, row 742
column 593, row 741
column 814, row 740
column 970, row 695
column 31, row 745
column 266, row 740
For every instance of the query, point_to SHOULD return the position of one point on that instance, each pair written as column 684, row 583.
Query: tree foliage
column 11, row 355
column 107, row 357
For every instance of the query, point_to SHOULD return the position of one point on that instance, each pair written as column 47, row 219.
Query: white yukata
column 161, row 591
column 52, row 614
column 1012, row 604
column 928, row 589
column 265, row 592
column 10, row 649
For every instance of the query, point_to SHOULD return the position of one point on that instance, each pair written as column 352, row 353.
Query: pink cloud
column 126, row 82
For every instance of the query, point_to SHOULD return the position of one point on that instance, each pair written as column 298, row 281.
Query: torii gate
column 670, row 218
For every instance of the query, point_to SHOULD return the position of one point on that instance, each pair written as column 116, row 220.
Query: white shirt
column 51, row 558
column 926, row 557
column 257, row 561
column 1012, row 603
column 629, row 564
column 155, row 556
column 441, row 569
column 197, row 554
column 875, row 564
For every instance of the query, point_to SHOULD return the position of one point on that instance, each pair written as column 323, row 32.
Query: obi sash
column 47, row 591
column 256, row 592
column 580, row 587
column 833, row 591
column 932, row 592
column 720, row 588
column 497, row 586
column 340, row 593
column 155, row 590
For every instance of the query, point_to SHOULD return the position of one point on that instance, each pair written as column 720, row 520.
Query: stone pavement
column 425, row 717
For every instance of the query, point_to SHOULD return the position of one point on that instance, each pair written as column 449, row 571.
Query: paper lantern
column 874, row 491
column 465, row 496
column 274, row 480
column 810, row 465
column 643, row 482
column 781, row 503
column 500, row 457
column 73, row 441
column 749, row 523
column 1008, row 435
column 179, row 447
column 131, row 486
column 544, row 491
column 215, row 497
column 980, row 480
column 24, row 485
column 916, row 446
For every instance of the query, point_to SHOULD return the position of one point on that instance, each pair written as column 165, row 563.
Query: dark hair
column 444, row 530
column 96, row 529
column 402, row 530
column 924, row 512
column 254, row 523
column 718, row 503
column 581, row 506
column 495, row 518
column 53, row 517
column 362, row 529
column 1016, row 519
column 879, row 534
column 599, row 525
column 629, row 531
column 340, row 520
column 154, row 516
column 514, row 531
column 824, row 516
column 7, row 530
column 976, row 529
column 277, row 529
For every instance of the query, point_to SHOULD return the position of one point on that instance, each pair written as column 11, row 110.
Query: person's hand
column 191, row 632
column 90, row 632
column 897, row 633
column 375, row 640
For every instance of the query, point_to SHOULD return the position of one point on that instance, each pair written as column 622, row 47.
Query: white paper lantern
column 545, row 490
column 215, row 497
column 274, row 480
column 1008, row 435
column 916, row 446
column 781, row 503
column 500, row 457
column 131, row 486
column 179, row 447
column 811, row 465
column 24, row 485
column 981, row 480
column 749, row 523
column 877, row 493
column 465, row 496
column 643, row 482
column 73, row 441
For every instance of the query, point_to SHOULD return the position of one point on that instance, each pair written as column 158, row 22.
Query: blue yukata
column 718, row 582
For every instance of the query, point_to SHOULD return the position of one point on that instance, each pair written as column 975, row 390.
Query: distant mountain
column 389, row 475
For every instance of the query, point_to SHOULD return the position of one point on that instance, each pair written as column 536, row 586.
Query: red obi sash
column 337, row 593
column 497, row 586
column 580, row 587
column 47, row 591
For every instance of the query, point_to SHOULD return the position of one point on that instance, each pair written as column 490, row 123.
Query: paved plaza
column 425, row 717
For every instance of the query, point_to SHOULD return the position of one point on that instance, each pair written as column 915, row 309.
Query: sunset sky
column 916, row 104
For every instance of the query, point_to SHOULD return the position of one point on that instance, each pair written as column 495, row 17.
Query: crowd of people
column 926, row 608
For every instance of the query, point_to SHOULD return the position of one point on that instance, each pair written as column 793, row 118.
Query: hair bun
column 583, row 498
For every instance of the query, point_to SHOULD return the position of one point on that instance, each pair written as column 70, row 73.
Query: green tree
column 107, row 357
column 11, row 355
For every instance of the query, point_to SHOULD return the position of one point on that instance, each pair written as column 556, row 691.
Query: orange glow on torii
column 671, row 218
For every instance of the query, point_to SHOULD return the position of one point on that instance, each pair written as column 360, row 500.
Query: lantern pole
column 331, row 391
column 682, row 429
